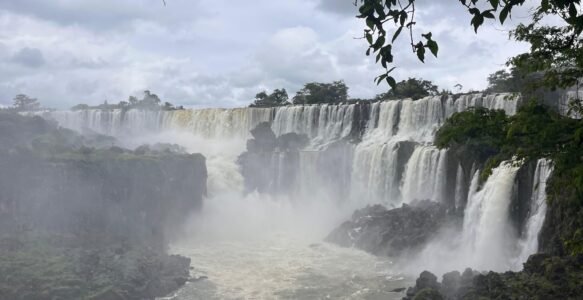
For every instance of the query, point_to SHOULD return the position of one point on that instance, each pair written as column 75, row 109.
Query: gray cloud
column 104, row 14
column 341, row 7
column 219, row 52
column 29, row 57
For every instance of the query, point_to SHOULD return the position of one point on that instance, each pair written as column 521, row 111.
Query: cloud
column 104, row 14
column 341, row 7
column 216, row 53
column 29, row 57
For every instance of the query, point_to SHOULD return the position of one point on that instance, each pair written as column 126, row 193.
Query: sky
column 220, row 53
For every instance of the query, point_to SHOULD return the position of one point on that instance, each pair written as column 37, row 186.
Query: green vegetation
column 25, row 103
column 277, row 98
column 22, row 103
column 315, row 92
column 490, row 137
column 479, row 132
column 504, row 81
column 555, row 50
column 411, row 88
column 337, row 92
column 149, row 101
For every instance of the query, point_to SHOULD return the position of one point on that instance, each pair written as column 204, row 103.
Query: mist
column 294, row 202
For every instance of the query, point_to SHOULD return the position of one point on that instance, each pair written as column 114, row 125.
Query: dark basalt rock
column 271, row 163
column 81, row 218
column 390, row 232
column 543, row 277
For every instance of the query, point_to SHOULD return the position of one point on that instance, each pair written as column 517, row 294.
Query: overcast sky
column 220, row 53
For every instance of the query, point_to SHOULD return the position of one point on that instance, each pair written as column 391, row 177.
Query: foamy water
column 281, row 267
column 270, row 247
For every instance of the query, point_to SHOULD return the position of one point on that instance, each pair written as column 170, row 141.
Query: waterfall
column 425, row 175
column 212, row 123
column 459, row 191
column 375, row 173
column 321, row 123
column 487, row 236
column 538, row 208
column 392, row 162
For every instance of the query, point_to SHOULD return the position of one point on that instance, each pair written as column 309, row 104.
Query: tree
column 123, row 105
column 277, row 98
column 555, row 50
column 168, row 106
column 81, row 107
column 133, row 100
column 25, row 103
column 316, row 92
column 411, row 88
column 150, row 99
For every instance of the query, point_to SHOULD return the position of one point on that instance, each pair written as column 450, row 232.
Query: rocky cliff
column 82, row 218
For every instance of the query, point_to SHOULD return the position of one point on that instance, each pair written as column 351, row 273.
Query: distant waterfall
column 360, row 153
column 538, row 209
column 487, row 237
column 212, row 123
column 321, row 123
column 425, row 175
column 393, row 163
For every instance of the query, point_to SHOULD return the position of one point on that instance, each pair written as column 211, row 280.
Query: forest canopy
column 555, row 50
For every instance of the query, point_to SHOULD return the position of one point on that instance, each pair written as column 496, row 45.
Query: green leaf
column 420, row 52
column 368, row 37
column 477, row 21
column 433, row 47
column 545, row 5
column 391, row 81
column 488, row 14
column 379, row 43
column 380, row 10
column 370, row 23
column 403, row 18
column 381, row 78
column 494, row 3
column 504, row 13
column 396, row 34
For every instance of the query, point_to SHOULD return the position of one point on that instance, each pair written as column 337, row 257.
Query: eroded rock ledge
column 381, row 231
column 81, row 218
column 543, row 277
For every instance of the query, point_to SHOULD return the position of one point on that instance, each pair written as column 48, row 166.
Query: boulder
column 543, row 277
column 380, row 231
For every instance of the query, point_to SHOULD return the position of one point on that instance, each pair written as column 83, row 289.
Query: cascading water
column 487, row 236
column 256, row 245
column 424, row 175
column 538, row 209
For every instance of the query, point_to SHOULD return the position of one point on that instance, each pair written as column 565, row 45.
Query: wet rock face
column 88, row 220
column 390, row 232
column 271, row 163
column 543, row 277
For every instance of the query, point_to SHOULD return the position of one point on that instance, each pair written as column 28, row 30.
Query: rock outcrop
column 380, row 231
column 543, row 277
column 271, row 164
column 81, row 218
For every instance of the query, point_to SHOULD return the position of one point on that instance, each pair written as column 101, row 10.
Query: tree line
column 148, row 101
column 502, row 81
